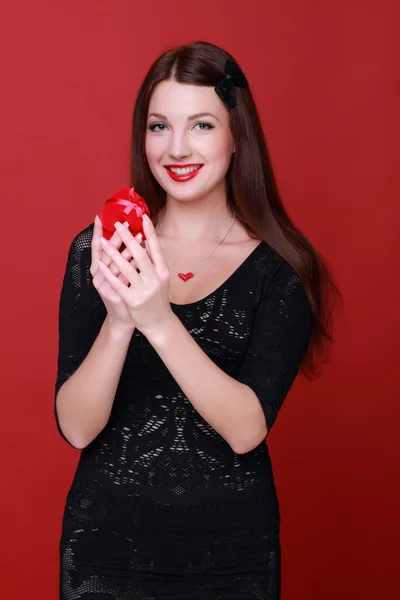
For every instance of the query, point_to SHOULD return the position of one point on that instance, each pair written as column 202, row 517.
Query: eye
column 205, row 126
column 153, row 126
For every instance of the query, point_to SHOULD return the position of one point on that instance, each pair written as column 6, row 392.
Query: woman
column 176, row 355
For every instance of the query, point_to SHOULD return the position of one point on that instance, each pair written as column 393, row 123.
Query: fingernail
column 139, row 237
column 146, row 218
column 126, row 224
column 118, row 225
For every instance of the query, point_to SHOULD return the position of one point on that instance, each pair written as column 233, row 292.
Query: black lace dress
column 160, row 507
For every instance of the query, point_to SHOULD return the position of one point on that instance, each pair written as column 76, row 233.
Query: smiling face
column 189, row 143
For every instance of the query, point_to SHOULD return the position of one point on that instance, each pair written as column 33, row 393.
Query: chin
column 186, row 196
column 184, row 191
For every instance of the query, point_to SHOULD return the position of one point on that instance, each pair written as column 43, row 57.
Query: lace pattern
column 160, row 505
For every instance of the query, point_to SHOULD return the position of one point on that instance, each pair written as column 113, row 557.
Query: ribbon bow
column 130, row 205
column 124, row 205
column 233, row 78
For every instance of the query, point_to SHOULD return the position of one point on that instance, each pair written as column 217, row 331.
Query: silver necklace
column 186, row 276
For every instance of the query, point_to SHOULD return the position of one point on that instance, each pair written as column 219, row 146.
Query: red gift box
column 124, row 205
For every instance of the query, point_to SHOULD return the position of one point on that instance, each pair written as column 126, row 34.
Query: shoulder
column 79, row 255
column 82, row 240
column 275, row 275
column 266, row 264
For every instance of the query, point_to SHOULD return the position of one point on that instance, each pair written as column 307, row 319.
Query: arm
column 230, row 407
column 243, row 409
column 91, row 354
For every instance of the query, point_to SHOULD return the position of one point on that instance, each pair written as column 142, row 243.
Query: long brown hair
column 251, row 187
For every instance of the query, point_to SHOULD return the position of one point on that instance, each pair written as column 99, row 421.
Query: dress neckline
column 224, row 283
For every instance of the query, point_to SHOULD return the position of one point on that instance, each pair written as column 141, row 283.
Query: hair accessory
column 233, row 78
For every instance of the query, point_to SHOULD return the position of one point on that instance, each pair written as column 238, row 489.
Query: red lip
column 183, row 166
column 183, row 178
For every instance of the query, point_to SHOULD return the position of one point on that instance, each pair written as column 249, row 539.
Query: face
column 188, row 152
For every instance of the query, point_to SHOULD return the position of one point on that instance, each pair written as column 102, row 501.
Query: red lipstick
column 182, row 178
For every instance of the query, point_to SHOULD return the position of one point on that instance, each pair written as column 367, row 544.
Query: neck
column 195, row 221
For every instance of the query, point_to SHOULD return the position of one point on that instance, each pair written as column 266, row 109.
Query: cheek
column 220, row 151
column 151, row 155
column 149, row 150
column 154, row 148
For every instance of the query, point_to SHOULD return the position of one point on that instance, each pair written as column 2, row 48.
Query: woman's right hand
column 118, row 313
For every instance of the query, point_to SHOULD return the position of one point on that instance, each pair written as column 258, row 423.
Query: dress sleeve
column 81, row 313
column 280, row 337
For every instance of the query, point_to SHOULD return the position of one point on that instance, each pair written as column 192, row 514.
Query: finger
column 115, row 282
column 97, row 249
column 116, row 238
column 125, row 267
column 115, row 241
column 124, row 280
column 98, row 278
column 125, row 254
column 154, row 247
column 115, row 269
column 139, row 254
column 95, row 243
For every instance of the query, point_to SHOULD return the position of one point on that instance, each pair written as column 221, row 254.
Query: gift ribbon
column 129, row 206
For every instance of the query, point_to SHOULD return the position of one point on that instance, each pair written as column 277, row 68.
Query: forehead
column 179, row 100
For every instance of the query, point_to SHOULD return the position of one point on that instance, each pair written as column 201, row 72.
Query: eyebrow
column 196, row 116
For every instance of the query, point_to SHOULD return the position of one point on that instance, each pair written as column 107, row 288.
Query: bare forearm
column 85, row 400
column 229, row 406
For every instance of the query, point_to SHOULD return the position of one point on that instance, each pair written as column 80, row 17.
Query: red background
column 323, row 75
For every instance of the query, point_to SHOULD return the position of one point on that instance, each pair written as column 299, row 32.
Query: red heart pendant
column 185, row 276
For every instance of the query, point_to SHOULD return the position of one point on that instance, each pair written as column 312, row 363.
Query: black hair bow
column 233, row 78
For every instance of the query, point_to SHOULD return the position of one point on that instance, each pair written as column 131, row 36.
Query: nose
column 179, row 145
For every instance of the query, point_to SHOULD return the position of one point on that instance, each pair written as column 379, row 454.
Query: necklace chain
column 206, row 258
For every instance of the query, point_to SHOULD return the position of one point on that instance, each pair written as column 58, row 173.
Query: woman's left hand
column 147, row 297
